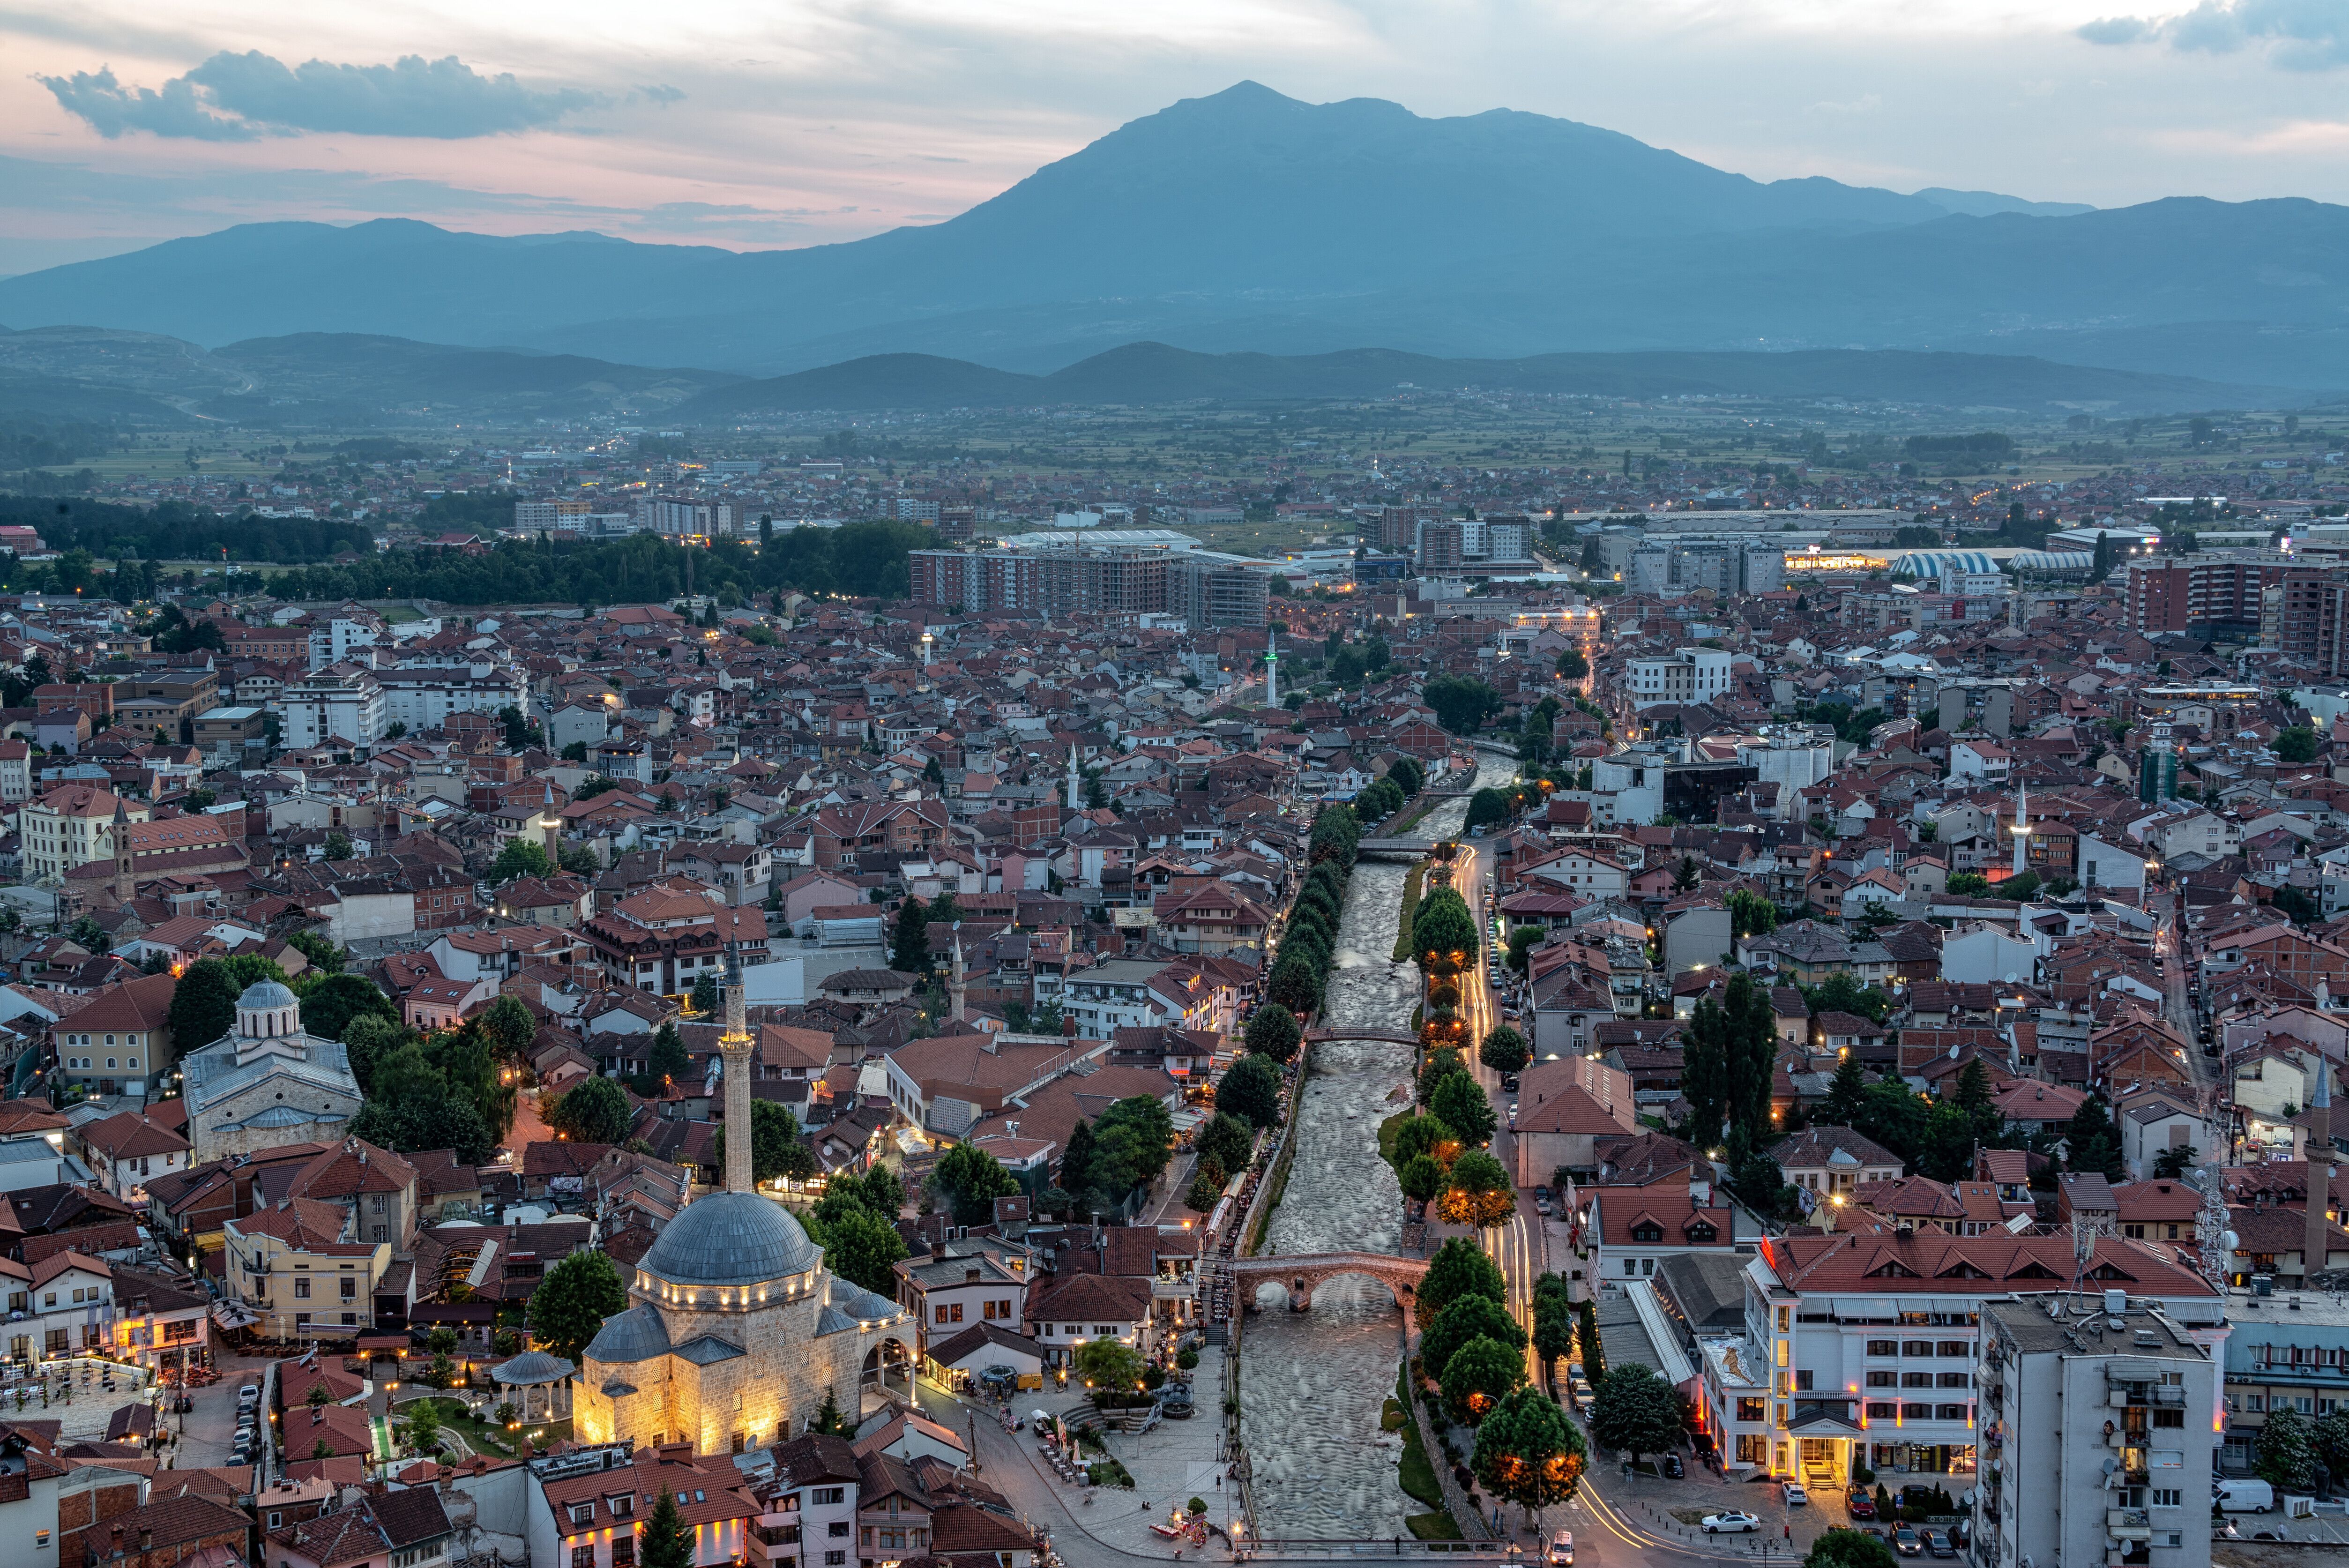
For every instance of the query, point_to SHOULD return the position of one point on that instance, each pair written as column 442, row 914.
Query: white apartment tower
column 2097, row 1415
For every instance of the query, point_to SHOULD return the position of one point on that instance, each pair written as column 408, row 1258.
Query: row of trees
column 857, row 560
column 1310, row 941
column 1725, row 1075
column 1527, row 1451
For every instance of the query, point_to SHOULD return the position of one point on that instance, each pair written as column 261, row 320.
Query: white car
column 1734, row 1521
column 1794, row 1493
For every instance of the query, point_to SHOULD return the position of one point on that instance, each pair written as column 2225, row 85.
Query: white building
column 1687, row 675
column 341, row 702
column 333, row 641
column 1792, row 756
column 2097, row 1415
column 423, row 699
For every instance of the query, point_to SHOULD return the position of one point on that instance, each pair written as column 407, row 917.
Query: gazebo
column 536, row 1383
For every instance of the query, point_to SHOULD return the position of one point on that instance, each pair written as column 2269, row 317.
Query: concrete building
column 71, row 826
column 2289, row 1350
column 341, row 702
column 1686, row 676
column 2096, row 1412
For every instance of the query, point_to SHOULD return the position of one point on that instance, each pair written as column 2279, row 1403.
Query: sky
column 795, row 122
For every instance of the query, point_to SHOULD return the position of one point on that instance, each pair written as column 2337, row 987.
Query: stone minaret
column 957, row 987
column 1075, row 786
column 736, row 1046
column 1272, row 668
column 2021, row 824
column 2315, row 1246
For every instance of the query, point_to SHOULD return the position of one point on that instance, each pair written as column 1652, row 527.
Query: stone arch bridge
column 1305, row 1272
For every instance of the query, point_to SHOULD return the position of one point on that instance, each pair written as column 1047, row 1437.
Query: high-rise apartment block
column 2098, row 1415
column 550, row 516
column 1113, row 582
column 690, row 519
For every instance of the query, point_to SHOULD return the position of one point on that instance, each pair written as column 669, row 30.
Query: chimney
column 937, row 1252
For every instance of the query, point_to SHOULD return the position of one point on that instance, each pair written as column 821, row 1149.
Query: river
column 1312, row 1385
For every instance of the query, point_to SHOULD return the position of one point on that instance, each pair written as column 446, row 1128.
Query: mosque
column 737, row 1331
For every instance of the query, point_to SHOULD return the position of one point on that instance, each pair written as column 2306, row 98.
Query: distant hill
column 333, row 379
column 1251, row 222
column 1153, row 373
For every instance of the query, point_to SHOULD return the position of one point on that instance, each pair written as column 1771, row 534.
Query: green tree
column 2286, row 1454
column 1461, row 1104
column 506, row 1028
column 1077, row 1160
column 1227, row 1140
column 1893, row 1116
column 1553, row 1318
column 2176, row 1161
column 704, row 998
column 367, row 1040
column 1459, row 1268
column 1251, row 1091
column 1967, row 885
column 1488, row 807
column 1273, row 1030
column 1636, row 1410
column 1106, row 1365
column 1480, row 1374
column 1479, row 1191
column 1461, row 703
column 1529, row 1453
column 203, row 1005
column 424, row 1426
column 667, row 1061
column 860, row 1245
column 339, row 846
column 1945, row 1151
column 1704, row 1073
column 324, row 957
column 596, row 1110
column 1840, row 1546
column 1296, row 981
column 1420, row 1135
column 909, row 946
column 1586, row 1338
column 1505, row 1050
column 571, row 1303
column 776, row 1151
column 970, row 1179
column 520, row 857
column 331, row 1006
column 1421, row 1178
column 1442, row 924
column 2094, row 1145
column 1751, row 914
column 1470, row 1318
column 1572, row 665
column 2297, row 745
column 1207, row 1182
column 1846, row 1094
column 668, row 1538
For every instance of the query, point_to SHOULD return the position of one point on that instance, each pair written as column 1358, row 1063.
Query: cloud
column 661, row 93
column 2300, row 35
column 236, row 97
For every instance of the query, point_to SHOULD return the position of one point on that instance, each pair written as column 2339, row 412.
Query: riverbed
column 1312, row 1384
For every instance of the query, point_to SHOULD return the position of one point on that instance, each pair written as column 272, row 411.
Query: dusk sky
column 793, row 123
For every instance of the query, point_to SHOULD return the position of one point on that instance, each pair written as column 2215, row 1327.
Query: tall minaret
column 2314, row 1245
column 1272, row 668
column 958, row 984
column 1076, row 796
column 2021, row 823
column 735, row 1045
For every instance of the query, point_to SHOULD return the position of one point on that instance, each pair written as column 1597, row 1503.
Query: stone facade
column 269, row 1083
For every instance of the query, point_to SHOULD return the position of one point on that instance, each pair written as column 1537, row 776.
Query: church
column 268, row 1083
column 738, row 1332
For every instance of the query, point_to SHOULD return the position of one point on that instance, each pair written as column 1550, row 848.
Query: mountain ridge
column 1246, row 220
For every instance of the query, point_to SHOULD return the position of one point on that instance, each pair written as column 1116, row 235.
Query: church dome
column 731, row 1239
column 267, row 1011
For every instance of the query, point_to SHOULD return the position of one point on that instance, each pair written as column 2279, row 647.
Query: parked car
column 1672, row 1467
column 1561, row 1550
column 1905, row 1542
column 1509, row 1083
column 1795, row 1497
column 1937, row 1543
column 1859, row 1502
column 1734, row 1522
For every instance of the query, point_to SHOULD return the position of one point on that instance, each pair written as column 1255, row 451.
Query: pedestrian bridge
column 1305, row 1272
column 1392, row 1036
column 1391, row 849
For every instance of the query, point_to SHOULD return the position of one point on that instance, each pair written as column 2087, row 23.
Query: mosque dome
column 731, row 1239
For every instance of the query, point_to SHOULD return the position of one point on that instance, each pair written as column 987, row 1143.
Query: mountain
column 318, row 378
column 1247, row 220
column 1148, row 373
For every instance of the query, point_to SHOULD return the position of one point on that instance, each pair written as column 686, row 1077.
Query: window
column 1916, row 1347
column 823, row 1494
column 1952, row 1412
column 1884, row 1379
column 2169, row 1417
column 582, row 1556
column 302, row 1290
column 1950, row 1380
column 1916, row 1380
column 835, row 1559
column 1801, row 1382
column 837, row 1530
column 1751, row 1410
column 583, row 1513
column 1880, row 1408
column 2167, row 1497
column 1632, row 1268
column 350, row 1290
column 1952, row 1347
column 623, row 1506
column 623, row 1552
column 1915, row 1412
column 1883, row 1347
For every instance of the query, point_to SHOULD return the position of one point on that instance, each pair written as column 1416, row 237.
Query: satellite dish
column 2010, row 977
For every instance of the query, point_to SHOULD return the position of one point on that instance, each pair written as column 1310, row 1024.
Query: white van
column 2245, row 1496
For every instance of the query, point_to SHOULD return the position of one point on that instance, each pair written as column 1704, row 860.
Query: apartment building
column 1865, row 1341
column 341, row 702
column 2288, row 1350
column 1685, row 676
column 2095, row 1413
column 293, row 1268
column 1212, row 592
